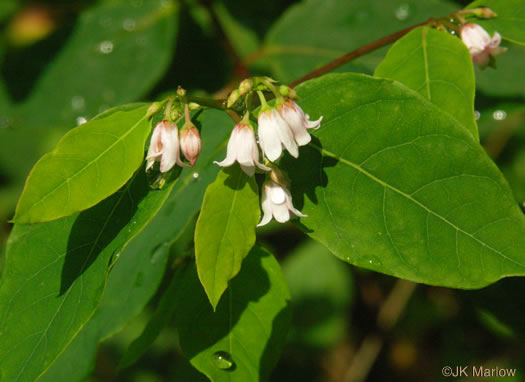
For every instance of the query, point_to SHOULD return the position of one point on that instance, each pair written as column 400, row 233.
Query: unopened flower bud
column 287, row 91
column 234, row 97
column 181, row 92
column 190, row 142
column 194, row 106
column 154, row 108
column 246, row 86
column 175, row 114
column 484, row 13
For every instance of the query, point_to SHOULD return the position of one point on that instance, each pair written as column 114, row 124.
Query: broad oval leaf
column 88, row 164
column 242, row 339
column 395, row 185
column 438, row 66
column 225, row 231
column 315, row 32
column 55, row 274
column 510, row 21
column 145, row 254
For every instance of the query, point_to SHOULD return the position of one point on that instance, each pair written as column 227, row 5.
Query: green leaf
column 321, row 288
column 159, row 319
column 439, row 67
column 248, row 329
column 94, row 70
column 315, row 32
column 56, row 272
column 131, row 283
column 510, row 20
column 225, row 231
column 395, row 185
column 150, row 248
column 89, row 163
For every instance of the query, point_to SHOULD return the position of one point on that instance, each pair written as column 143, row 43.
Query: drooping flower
column 481, row 46
column 274, row 134
column 190, row 142
column 277, row 203
column 242, row 148
column 164, row 147
column 298, row 121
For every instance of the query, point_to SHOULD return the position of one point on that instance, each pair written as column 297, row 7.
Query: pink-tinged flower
column 164, row 147
column 190, row 143
column 274, row 133
column 298, row 121
column 481, row 46
column 242, row 148
column 277, row 203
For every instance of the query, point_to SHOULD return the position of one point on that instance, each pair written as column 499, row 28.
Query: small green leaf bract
column 225, row 231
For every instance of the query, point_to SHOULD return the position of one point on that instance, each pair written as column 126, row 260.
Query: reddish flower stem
column 358, row 53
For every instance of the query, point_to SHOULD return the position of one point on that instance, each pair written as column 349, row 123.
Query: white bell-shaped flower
column 164, row 147
column 277, row 203
column 242, row 148
column 298, row 121
column 481, row 46
column 274, row 134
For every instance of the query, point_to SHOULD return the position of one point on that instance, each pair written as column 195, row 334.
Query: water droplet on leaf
column 402, row 12
column 105, row 47
column 222, row 360
column 499, row 115
column 477, row 114
column 81, row 120
column 372, row 260
column 129, row 25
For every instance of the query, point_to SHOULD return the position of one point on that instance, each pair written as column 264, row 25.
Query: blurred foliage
column 65, row 61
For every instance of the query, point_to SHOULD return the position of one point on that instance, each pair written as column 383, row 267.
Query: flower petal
column 285, row 134
column 269, row 138
column 266, row 206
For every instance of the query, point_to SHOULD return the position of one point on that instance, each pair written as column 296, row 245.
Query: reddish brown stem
column 358, row 53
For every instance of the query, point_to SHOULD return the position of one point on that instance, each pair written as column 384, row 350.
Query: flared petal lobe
column 277, row 203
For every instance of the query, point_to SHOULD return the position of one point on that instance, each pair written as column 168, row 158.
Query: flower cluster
column 481, row 46
column 166, row 144
column 282, row 127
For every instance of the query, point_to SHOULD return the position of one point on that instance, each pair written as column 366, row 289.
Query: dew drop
column 195, row 175
column 402, row 12
column 477, row 115
column 105, row 47
column 78, row 103
column 81, row 120
column 129, row 25
column 373, row 261
column 222, row 360
column 499, row 115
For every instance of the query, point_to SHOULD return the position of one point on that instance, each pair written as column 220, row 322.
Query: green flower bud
column 246, row 86
column 233, row 98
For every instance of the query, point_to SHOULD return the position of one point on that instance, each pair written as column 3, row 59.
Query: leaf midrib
column 415, row 201
column 88, row 164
